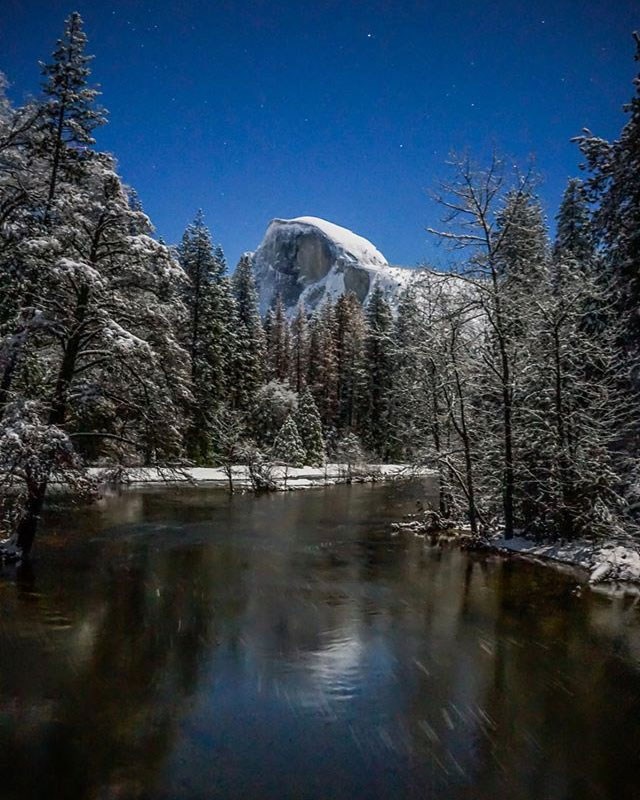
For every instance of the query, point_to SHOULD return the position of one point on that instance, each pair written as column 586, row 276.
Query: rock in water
column 309, row 259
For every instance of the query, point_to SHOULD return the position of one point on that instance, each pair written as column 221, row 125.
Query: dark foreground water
column 180, row 644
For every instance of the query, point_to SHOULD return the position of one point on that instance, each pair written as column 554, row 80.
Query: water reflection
column 181, row 644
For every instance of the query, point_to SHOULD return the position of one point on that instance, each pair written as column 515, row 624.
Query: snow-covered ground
column 605, row 562
column 293, row 477
column 611, row 561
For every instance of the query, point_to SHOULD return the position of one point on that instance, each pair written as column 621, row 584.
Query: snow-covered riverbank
column 285, row 478
column 604, row 561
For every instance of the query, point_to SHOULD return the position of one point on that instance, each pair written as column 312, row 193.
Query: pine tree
column 574, row 232
column 412, row 387
column 322, row 377
column 349, row 451
column 574, row 412
column 350, row 357
column 614, row 185
column 249, row 357
column 105, row 339
column 288, row 447
column 299, row 348
column 209, row 304
column 522, row 259
column 17, row 186
column 379, row 365
column 309, row 427
column 57, row 149
column 70, row 114
column 274, row 402
column 277, row 341
column 521, row 242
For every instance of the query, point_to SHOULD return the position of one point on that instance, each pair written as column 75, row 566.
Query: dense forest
column 513, row 376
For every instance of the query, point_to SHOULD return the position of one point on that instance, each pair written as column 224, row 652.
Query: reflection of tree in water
column 113, row 723
column 546, row 737
column 419, row 670
column 506, row 691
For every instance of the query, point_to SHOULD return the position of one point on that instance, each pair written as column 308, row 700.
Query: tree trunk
column 229, row 472
column 507, row 414
column 7, row 378
column 443, row 498
column 563, row 466
column 28, row 525
column 468, row 461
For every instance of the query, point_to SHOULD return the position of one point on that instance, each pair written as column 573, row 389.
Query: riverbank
column 281, row 478
column 276, row 478
column 606, row 562
column 602, row 561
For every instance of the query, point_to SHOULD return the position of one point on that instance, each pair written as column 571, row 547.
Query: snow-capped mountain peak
column 360, row 248
column 308, row 259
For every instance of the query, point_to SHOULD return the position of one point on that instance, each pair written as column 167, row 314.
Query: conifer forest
column 513, row 375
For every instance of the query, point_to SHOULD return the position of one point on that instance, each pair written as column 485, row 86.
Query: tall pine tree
column 69, row 114
column 379, row 364
column 210, row 309
column 350, row 356
column 309, row 427
column 249, row 357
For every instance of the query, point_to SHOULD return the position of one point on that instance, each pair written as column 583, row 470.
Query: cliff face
column 309, row 259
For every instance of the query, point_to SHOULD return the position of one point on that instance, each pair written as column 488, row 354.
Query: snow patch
column 603, row 562
column 295, row 477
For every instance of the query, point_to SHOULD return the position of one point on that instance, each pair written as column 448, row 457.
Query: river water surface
column 177, row 643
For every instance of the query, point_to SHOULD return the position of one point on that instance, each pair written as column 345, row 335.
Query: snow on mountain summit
column 308, row 259
column 360, row 248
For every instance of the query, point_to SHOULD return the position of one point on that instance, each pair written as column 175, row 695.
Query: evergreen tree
column 17, row 186
column 379, row 365
column 568, row 458
column 322, row 377
column 522, row 259
column 299, row 349
column 614, row 185
column 288, row 447
column 574, row 233
column 210, row 308
column 521, row 242
column 274, row 402
column 350, row 357
column 69, row 113
column 309, row 427
column 349, row 451
column 411, row 380
column 277, row 341
column 105, row 348
column 56, row 150
column 249, row 357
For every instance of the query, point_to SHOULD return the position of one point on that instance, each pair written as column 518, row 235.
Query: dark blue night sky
column 344, row 110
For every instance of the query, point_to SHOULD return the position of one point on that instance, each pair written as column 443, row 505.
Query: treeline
column 513, row 376
column 117, row 349
column 253, row 374
column 531, row 356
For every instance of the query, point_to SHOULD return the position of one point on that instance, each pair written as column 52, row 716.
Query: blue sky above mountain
column 345, row 111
